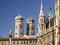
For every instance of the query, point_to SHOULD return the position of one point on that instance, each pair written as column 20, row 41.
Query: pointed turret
column 50, row 14
column 41, row 15
column 41, row 22
column 41, row 10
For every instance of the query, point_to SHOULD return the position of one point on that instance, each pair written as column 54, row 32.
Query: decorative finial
column 10, row 33
column 50, row 9
column 41, row 5
column 41, row 1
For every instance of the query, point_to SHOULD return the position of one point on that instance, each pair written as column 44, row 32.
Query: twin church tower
column 19, row 26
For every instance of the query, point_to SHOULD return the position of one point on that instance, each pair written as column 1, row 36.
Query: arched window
column 2, row 43
column 13, row 42
column 17, row 42
column 20, row 26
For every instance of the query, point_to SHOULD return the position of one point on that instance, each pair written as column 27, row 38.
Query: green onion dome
column 30, row 19
column 18, row 17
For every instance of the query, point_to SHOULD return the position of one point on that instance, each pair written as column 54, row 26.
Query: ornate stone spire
column 41, row 10
column 41, row 5
column 41, row 22
column 41, row 15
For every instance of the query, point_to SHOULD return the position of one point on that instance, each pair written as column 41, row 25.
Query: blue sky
column 9, row 9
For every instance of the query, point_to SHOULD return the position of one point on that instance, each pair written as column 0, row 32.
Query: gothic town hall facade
column 48, row 30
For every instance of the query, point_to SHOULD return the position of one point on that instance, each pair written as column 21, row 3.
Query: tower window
column 16, row 33
column 41, row 27
column 21, row 33
column 20, row 26
column 41, row 20
column 27, row 26
column 32, row 28
column 27, row 32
